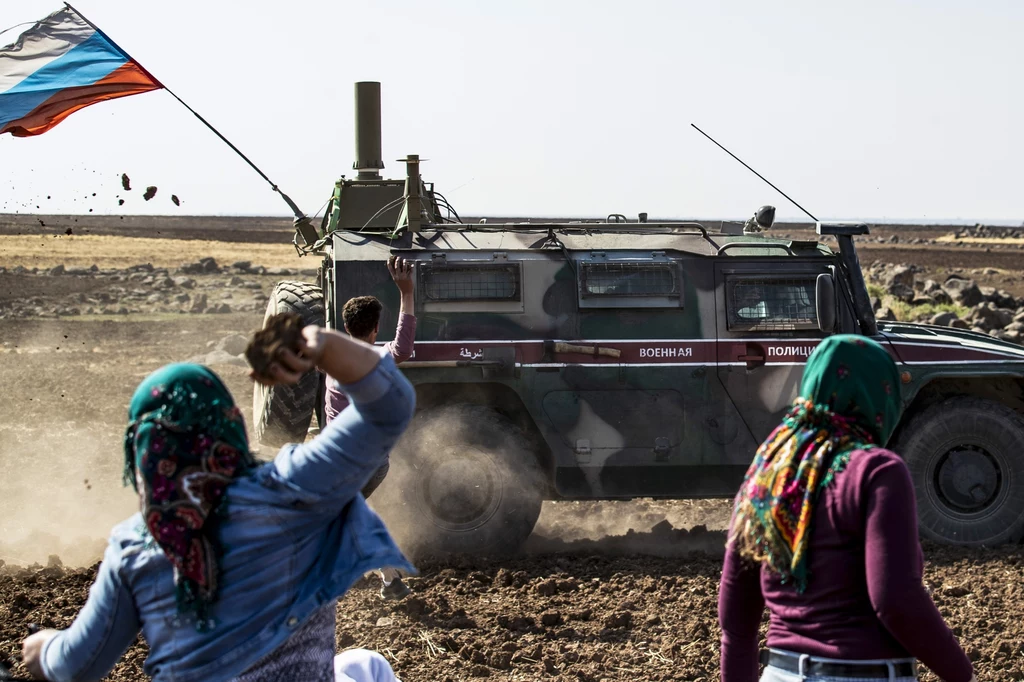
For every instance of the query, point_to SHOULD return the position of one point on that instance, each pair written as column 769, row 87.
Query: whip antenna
column 754, row 172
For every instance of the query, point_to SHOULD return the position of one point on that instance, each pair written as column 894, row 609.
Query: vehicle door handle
column 754, row 357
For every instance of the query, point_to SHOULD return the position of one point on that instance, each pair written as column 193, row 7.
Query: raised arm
column 105, row 627
column 339, row 461
column 894, row 568
column 403, row 273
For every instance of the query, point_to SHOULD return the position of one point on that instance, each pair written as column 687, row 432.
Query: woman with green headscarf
column 233, row 567
column 824, row 532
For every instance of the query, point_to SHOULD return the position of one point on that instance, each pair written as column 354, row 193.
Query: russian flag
column 59, row 66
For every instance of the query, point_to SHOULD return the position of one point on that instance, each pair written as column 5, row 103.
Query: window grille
column 771, row 303
column 629, row 279
column 471, row 283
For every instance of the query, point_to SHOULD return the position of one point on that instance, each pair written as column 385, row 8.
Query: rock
column 219, row 357
column 279, row 272
column 619, row 619
column 142, row 267
column 930, row 286
column 990, row 271
column 56, row 270
column 941, row 297
column 900, row 292
column 234, row 344
column 185, row 282
column 898, row 274
column 885, row 313
column 204, row 266
column 164, row 283
column 1015, row 327
column 198, row 303
column 943, row 319
column 385, row 622
column 236, row 281
column 963, row 291
column 551, row 618
column 1013, row 337
column 242, row 265
column 922, row 300
column 987, row 316
column 78, row 272
column 876, row 303
column 219, row 309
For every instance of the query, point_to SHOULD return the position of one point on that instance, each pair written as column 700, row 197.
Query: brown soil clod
column 150, row 192
column 175, row 200
column 283, row 330
column 126, row 182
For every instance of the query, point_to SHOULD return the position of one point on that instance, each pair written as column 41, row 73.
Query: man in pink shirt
column 361, row 318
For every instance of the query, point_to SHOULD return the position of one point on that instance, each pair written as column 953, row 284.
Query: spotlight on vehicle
column 761, row 221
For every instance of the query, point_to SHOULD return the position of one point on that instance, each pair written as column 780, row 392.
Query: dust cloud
column 641, row 526
column 60, row 492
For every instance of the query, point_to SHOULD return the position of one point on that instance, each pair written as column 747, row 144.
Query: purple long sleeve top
column 865, row 597
column 400, row 349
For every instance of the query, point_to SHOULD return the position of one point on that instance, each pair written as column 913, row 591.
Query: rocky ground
column 604, row 591
column 579, row 616
column 202, row 287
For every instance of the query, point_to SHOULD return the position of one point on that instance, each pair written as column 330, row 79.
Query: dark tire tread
column 288, row 410
column 982, row 422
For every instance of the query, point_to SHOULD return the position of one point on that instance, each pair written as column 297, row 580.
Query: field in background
column 607, row 591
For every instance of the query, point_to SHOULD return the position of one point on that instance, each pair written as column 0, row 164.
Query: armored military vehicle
column 624, row 358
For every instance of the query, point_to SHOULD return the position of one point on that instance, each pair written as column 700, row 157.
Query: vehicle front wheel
column 282, row 414
column 463, row 480
column 966, row 457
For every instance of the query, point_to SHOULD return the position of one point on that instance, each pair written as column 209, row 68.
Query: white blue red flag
column 59, row 66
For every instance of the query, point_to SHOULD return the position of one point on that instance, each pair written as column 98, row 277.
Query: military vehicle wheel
column 464, row 479
column 964, row 455
column 282, row 414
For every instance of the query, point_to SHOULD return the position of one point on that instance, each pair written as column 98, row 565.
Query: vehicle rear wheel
column 464, row 479
column 966, row 456
column 282, row 414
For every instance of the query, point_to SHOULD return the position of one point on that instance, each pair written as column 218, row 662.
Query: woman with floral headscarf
column 233, row 568
column 824, row 532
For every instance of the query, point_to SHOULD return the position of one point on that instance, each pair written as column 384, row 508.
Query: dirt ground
column 603, row 591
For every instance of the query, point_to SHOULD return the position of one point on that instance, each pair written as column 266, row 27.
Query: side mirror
column 825, row 302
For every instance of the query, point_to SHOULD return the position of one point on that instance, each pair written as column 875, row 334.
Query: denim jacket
column 298, row 535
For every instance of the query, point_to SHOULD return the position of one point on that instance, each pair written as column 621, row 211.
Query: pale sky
column 872, row 110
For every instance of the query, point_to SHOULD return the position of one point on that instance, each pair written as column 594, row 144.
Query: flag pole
column 291, row 204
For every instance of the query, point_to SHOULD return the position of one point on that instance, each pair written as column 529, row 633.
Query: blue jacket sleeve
column 102, row 632
column 339, row 461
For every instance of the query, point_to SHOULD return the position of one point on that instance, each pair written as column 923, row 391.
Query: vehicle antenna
column 754, row 172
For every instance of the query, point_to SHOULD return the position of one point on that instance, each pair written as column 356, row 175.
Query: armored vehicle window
column 771, row 303
column 630, row 284
column 629, row 279
column 470, row 287
column 471, row 283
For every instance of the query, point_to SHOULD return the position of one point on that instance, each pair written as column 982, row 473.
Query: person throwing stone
column 361, row 318
column 233, row 567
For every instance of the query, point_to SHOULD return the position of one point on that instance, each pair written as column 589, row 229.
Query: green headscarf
column 849, row 400
column 186, row 442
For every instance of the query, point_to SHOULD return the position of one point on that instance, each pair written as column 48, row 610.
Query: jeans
column 773, row 674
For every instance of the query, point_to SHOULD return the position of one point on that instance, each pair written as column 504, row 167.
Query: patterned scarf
column 186, row 442
column 849, row 401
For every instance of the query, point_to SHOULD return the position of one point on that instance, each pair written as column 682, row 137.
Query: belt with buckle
column 816, row 667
